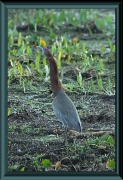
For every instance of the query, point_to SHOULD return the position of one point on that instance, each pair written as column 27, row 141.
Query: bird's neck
column 54, row 76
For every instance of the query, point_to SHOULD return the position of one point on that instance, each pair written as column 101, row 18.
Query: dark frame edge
column 3, row 110
column 3, row 90
column 120, row 90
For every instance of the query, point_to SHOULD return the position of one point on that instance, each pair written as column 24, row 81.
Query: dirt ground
column 34, row 133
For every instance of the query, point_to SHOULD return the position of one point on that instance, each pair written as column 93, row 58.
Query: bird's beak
column 40, row 48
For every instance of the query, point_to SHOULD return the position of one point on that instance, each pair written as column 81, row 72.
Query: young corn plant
column 80, row 80
column 100, row 67
column 37, row 64
column 100, row 84
column 9, row 111
column 36, row 163
column 92, row 86
column 83, row 48
column 59, row 58
column 22, row 169
column 105, row 140
column 66, row 46
column 108, row 89
column 29, row 51
column 20, row 70
column 20, row 39
column 70, row 86
column 112, row 47
column 37, row 20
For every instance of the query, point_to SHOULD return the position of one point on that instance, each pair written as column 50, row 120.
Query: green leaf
column 37, row 165
column 32, row 21
column 83, row 15
column 62, row 15
column 83, row 47
column 9, row 24
column 21, row 50
column 9, row 111
column 22, row 16
column 9, row 142
column 37, row 62
column 22, row 169
column 44, row 62
column 92, row 87
column 44, row 21
column 52, row 36
column 38, row 19
column 110, row 140
column 20, row 68
column 112, row 47
column 104, row 136
column 11, row 40
column 110, row 164
column 100, row 83
column 19, row 39
column 59, row 58
column 70, row 18
column 108, row 19
column 40, row 72
column 47, row 71
column 99, row 24
column 79, row 79
column 103, row 49
column 14, row 52
column 70, row 85
column 14, row 167
column 46, row 162
column 90, row 32
column 40, row 13
column 51, row 22
column 34, row 38
column 15, row 19
column 96, row 141
column 56, row 20
column 29, row 51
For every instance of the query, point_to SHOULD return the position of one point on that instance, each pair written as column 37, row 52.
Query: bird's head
column 45, row 51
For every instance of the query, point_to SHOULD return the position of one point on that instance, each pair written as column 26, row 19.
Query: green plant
column 12, row 127
column 59, row 58
column 103, row 141
column 70, row 86
column 13, row 167
column 20, row 70
column 100, row 84
column 83, row 15
column 9, row 111
column 46, row 162
column 109, row 88
column 80, row 80
column 110, row 140
column 92, row 86
column 37, row 64
column 100, row 67
column 112, row 47
column 110, row 164
column 22, row 169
